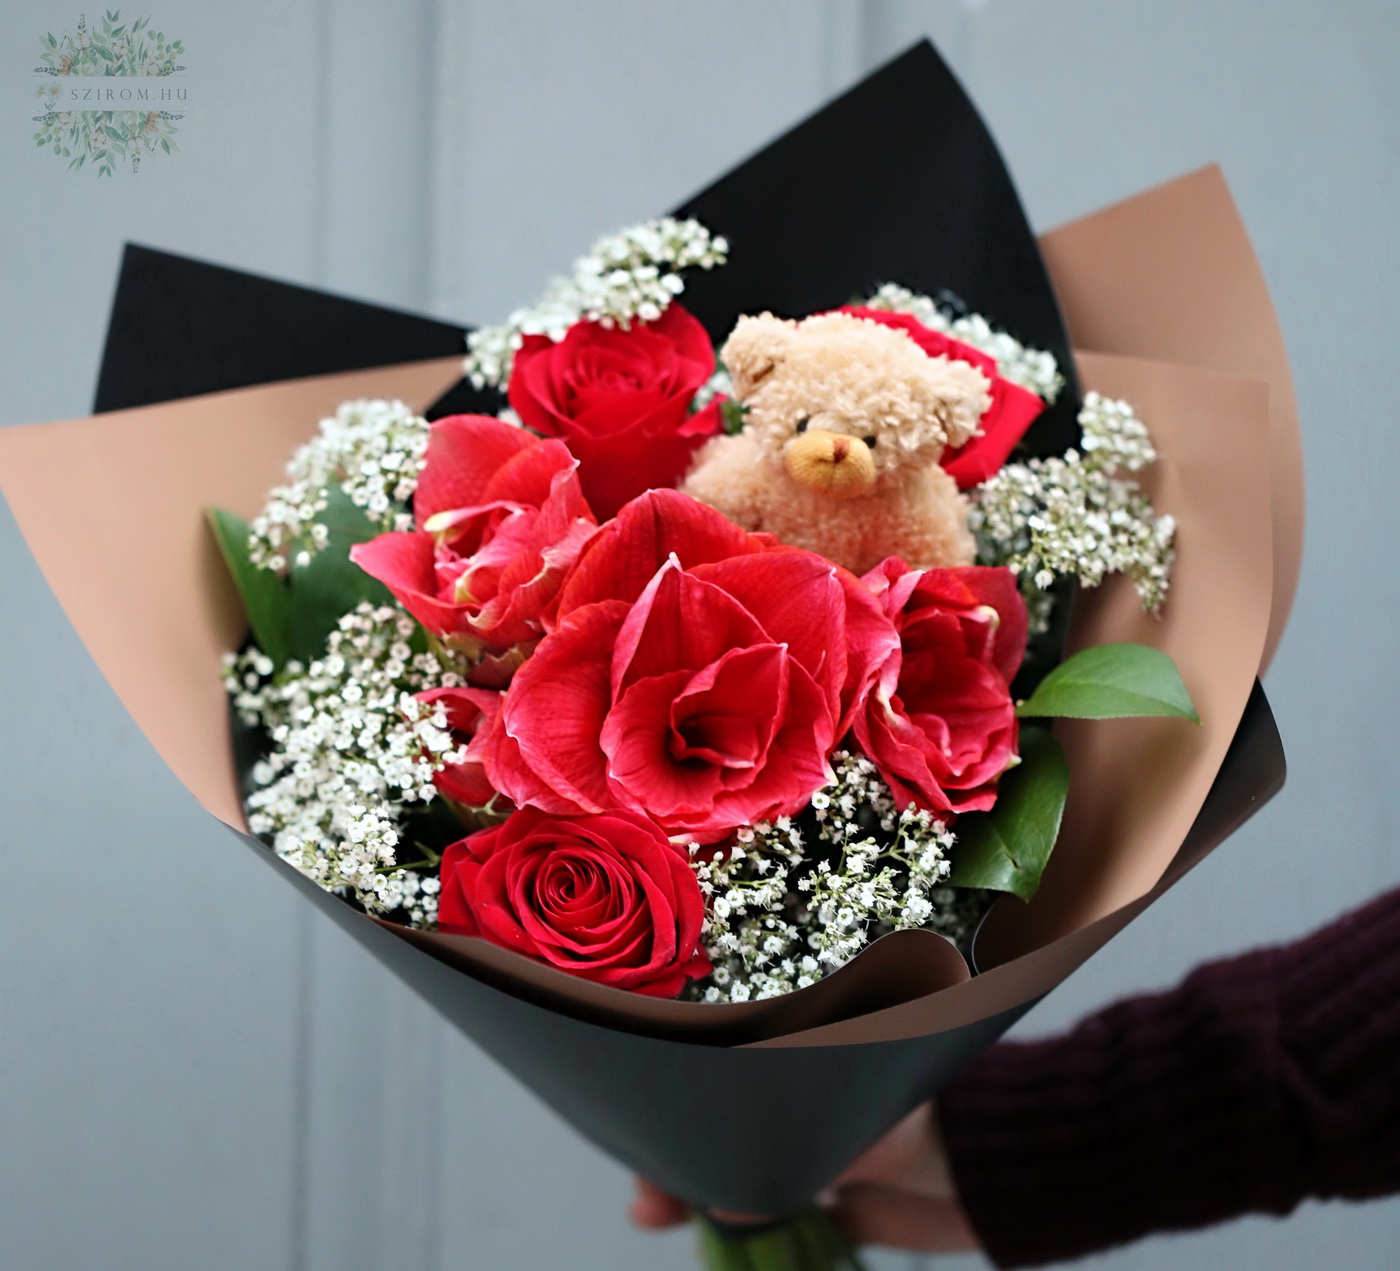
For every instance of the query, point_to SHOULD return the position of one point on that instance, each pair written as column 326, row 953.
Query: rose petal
column 1013, row 410
column 603, row 897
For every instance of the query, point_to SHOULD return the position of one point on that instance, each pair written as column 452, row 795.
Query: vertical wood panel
column 148, row 962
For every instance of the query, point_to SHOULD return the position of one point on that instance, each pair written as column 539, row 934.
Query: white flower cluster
column 630, row 276
column 373, row 450
column 718, row 385
column 1072, row 516
column 781, row 915
column 1032, row 369
column 352, row 749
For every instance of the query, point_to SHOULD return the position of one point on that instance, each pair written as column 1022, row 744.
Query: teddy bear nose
column 830, row 463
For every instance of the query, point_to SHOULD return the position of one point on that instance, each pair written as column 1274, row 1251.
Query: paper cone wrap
column 751, row 1106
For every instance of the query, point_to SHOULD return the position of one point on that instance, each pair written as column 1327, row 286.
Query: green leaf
column 332, row 584
column 265, row 598
column 292, row 617
column 733, row 414
column 1007, row 848
column 1111, row 681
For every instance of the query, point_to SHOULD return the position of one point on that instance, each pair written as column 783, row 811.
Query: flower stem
column 808, row 1241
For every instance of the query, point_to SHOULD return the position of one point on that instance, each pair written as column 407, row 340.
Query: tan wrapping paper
column 1170, row 274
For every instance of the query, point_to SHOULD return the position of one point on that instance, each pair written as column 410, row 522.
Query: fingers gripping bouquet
column 671, row 701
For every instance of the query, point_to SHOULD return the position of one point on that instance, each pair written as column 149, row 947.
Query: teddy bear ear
column 754, row 350
column 957, row 395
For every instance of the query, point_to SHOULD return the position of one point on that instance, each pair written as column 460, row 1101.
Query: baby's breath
column 782, row 911
column 352, row 750
column 630, row 276
column 373, row 450
column 1033, row 369
column 1075, row 515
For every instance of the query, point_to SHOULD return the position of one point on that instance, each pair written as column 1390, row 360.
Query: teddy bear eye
column 870, row 440
column 802, row 424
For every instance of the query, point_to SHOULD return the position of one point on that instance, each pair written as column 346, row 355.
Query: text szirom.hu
column 110, row 96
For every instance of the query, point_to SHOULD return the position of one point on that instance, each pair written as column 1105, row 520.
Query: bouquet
column 689, row 694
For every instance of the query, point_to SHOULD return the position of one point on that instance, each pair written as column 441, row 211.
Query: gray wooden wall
column 195, row 1070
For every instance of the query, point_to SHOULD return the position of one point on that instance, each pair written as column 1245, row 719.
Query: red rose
column 694, row 673
column 1004, row 422
column 470, row 714
column 621, row 400
column 500, row 519
column 607, row 898
column 940, row 724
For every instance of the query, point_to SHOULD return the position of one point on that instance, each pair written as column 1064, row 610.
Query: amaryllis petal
column 404, row 564
column 797, row 599
column 464, row 452
column 480, row 574
column 554, row 712
column 508, row 773
column 676, row 742
column 998, row 588
column 626, row 553
column 643, row 772
column 732, row 661
column 794, row 768
column 529, row 477
column 728, row 713
column 939, row 722
column 680, row 622
column 511, row 616
column 871, row 639
column 471, row 712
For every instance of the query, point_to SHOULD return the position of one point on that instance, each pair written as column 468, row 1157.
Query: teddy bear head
column 845, row 400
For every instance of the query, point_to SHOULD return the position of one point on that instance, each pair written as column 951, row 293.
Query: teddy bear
column 845, row 422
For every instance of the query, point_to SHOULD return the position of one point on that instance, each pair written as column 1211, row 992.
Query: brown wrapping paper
column 1170, row 274
column 152, row 602
column 149, row 594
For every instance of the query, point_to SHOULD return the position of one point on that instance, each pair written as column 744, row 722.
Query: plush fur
column 819, row 389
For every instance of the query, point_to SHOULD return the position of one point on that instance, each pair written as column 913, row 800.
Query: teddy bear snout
column 830, row 463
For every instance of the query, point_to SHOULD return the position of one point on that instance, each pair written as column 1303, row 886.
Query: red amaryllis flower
column 694, row 673
column 500, row 519
column 470, row 713
column 940, row 724
column 1004, row 422
column 607, row 898
column 621, row 400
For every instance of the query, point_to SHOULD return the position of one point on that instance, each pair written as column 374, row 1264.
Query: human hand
column 900, row 1194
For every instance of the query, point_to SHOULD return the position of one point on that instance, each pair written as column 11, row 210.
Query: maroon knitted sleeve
column 1259, row 1081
